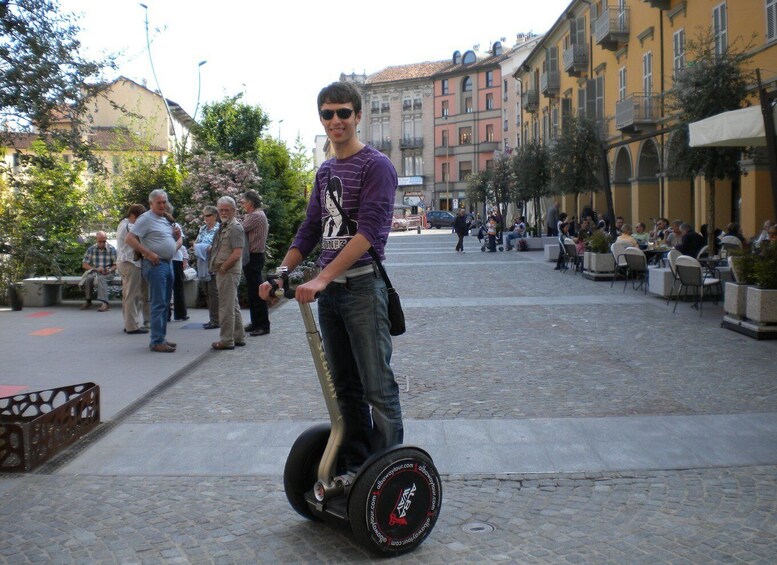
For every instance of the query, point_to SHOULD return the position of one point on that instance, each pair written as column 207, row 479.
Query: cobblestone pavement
column 695, row 516
column 490, row 336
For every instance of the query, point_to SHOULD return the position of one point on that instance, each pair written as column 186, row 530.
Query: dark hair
column 253, row 197
column 340, row 93
column 136, row 210
column 563, row 216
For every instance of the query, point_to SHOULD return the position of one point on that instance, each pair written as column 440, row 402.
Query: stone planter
column 598, row 265
column 761, row 305
column 735, row 303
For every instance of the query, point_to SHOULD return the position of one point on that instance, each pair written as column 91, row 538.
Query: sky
column 281, row 53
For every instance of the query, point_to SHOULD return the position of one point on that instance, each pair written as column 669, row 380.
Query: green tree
column 44, row 81
column 231, row 127
column 480, row 188
column 283, row 189
column 503, row 182
column 711, row 83
column 45, row 213
column 139, row 176
column 578, row 160
column 531, row 169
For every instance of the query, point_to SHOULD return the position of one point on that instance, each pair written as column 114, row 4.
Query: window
column 407, row 104
column 445, row 141
column 417, row 105
column 446, row 172
column 489, row 78
column 490, row 132
column 489, row 101
column 621, row 83
column 468, row 105
column 444, row 108
column 490, row 165
column 554, row 123
column 647, row 73
column 466, row 84
column 465, row 135
column 385, row 107
column 678, row 50
column 771, row 20
column 720, row 28
column 504, row 89
column 469, row 58
column 465, row 169
column 445, row 88
column 412, row 163
column 375, row 107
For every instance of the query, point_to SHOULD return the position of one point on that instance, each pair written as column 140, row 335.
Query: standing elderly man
column 225, row 261
column 156, row 238
column 255, row 226
column 99, row 262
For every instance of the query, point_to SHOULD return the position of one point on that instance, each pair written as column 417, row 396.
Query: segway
column 392, row 503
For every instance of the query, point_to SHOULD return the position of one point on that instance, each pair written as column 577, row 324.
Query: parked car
column 439, row 219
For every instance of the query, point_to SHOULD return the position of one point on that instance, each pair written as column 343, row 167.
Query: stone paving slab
column 458, row 447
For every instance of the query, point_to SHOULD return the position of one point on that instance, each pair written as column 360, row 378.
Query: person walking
column 225, row 261
column 256, row 227
column 352, row 296
column 461, row 227
column 156, row 238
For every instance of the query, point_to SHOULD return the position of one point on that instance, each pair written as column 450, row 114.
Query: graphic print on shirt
column 335, row 231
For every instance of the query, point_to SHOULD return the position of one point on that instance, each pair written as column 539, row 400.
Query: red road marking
column 47, row 331
column 39, row 315
column 11, row 390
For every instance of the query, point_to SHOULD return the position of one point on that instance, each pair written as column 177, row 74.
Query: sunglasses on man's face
column 342, row 113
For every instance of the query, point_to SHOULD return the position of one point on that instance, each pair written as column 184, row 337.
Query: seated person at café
column 518, row 231
column 691, row 242
column 585, row 227
column 640, row 235
column 673, row 234
column 764, row 235
column 659, row 230
column 625, row 236
column 619, row 221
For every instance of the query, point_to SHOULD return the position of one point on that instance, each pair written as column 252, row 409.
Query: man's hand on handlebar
column 309, row 291
column 266, row 291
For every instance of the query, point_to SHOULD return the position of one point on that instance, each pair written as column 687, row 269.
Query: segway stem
column 326, row 486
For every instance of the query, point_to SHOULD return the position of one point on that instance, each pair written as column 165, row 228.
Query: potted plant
column 597, row 260
column 762, row 299
column 742, row 266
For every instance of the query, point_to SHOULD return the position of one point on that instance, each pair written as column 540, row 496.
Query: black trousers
column 179, row 302
column 260, row 317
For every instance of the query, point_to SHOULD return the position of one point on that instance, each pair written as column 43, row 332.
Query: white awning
column 737, row 128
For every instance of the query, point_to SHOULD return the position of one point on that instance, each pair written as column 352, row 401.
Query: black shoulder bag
column 395, row 313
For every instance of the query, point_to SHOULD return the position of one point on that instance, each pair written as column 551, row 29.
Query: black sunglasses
column 342, row 113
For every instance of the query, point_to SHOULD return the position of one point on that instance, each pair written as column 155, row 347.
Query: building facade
column 614, row 61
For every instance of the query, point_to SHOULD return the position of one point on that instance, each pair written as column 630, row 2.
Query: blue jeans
column 160, row 291
column 510, row 237
column 355, row 329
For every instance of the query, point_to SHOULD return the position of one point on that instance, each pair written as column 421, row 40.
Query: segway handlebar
column 277, row 291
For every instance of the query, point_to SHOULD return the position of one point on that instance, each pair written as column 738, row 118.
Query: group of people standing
column 150, row 243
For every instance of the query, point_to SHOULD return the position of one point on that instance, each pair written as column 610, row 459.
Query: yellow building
column 614, row 60
column 124, row 118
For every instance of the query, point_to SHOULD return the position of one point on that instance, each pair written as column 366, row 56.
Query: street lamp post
column 199, row 88
column 156, row 80
column 279, row 129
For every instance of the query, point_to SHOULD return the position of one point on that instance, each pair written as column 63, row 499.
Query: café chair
column 636, row 262
column 572, row 258
column 618, row 249
column 672, row 259
column 691, row 275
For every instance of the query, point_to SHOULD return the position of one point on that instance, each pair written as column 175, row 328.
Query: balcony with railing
column 637, row 112
column 660, row 4
column 530, row 100
column 550, row 84
column 382, row 144
column 576, row 59
column 611, row 30
column 411, row 142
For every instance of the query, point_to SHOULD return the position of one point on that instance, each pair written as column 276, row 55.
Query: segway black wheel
column 395, row 501
column 301, row 471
